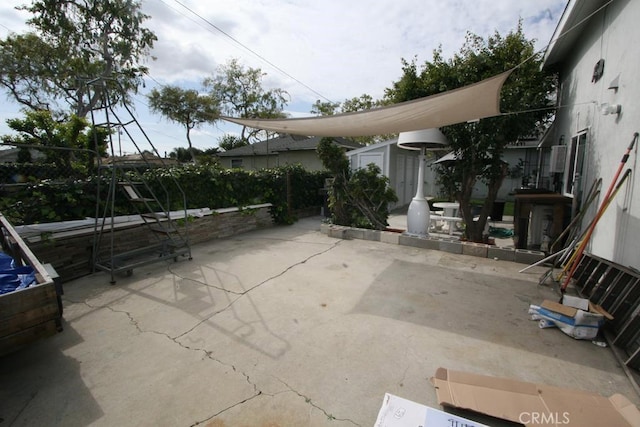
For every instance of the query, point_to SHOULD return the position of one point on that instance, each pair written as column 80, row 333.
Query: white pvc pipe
column 545, row 259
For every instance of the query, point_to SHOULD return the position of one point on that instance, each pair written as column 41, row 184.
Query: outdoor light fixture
column 607, row 109
column 427, row 139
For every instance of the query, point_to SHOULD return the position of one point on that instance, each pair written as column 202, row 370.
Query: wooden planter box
column 28, row 314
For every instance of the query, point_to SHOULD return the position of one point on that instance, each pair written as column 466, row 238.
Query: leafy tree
column 24, row 155
column 363, row 102
column 228, row 142
column 73, row 42
column 183, row 155
column 65, row 143
column 358, row 199
column 185, row 106
column 209, row 156
column 479, row 146
column 325, row 108
column 241, row 94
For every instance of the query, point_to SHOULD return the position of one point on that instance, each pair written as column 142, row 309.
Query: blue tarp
column 500, row 233
column 13, row 277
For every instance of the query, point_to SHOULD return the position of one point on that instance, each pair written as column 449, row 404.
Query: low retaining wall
column 70, row 252
column 451, row 245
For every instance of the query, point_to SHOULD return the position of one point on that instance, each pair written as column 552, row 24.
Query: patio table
column 450, row 211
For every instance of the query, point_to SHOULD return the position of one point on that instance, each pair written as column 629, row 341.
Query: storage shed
column 399, row 165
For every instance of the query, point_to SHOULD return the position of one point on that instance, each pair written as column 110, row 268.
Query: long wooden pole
column 605, row 205
column 601, row 210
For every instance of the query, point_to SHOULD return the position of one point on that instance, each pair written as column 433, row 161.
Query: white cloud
column 340, row 49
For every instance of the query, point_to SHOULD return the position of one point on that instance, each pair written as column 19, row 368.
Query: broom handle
column 604, row 205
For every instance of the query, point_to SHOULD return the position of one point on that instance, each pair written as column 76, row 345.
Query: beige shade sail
column 476, row 101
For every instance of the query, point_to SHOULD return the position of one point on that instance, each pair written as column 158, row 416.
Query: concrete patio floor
column 288, row 327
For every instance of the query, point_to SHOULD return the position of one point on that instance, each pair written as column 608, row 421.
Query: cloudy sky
column 330, row 49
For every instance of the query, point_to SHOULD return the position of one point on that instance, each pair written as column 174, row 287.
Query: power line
column 253, row 52
column 560, row 36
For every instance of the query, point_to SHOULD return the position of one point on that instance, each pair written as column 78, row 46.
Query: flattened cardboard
column 595, row 308
column 559, row 308
column 585, row 305
column 532, row 404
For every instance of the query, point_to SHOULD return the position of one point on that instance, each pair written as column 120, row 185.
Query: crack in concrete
column 208, row 353
column 333, row 246
column 226, row 409
column 310, row 402
column 286, row 270
column 244, row 293
column 203, row 283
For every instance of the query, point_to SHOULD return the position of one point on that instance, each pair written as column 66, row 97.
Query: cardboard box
column 576, row 317
column 399, row 412
column 531, row 404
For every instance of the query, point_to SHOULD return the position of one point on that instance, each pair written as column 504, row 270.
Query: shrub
column 286, row 188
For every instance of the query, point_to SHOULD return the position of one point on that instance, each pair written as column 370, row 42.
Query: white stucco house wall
column 594, row 52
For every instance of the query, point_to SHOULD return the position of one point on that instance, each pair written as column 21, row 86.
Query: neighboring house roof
column 569, row 29
column 140, row 158
column 284, row 143
column 10, row 155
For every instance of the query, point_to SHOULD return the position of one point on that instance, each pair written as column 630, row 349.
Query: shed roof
column 284, row 143
column 371, row 147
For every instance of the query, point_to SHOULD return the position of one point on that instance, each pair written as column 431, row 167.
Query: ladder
column 615, row 288
column 159, row 233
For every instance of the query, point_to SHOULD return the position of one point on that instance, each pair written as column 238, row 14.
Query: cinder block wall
column 70, row 253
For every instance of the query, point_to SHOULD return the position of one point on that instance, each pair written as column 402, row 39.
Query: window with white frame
column 236, row 163
column 574, row 167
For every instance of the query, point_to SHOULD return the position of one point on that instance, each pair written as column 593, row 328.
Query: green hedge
column 203, row 186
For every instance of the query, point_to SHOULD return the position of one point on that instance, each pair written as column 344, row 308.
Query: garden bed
column 31, row 313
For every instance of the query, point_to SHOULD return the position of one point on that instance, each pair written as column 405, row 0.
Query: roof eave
column 576, row 13
column 552, row 47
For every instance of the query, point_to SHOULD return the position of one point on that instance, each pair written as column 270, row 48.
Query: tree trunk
column 471, row 232
column 474, row 230
column 193, row 154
